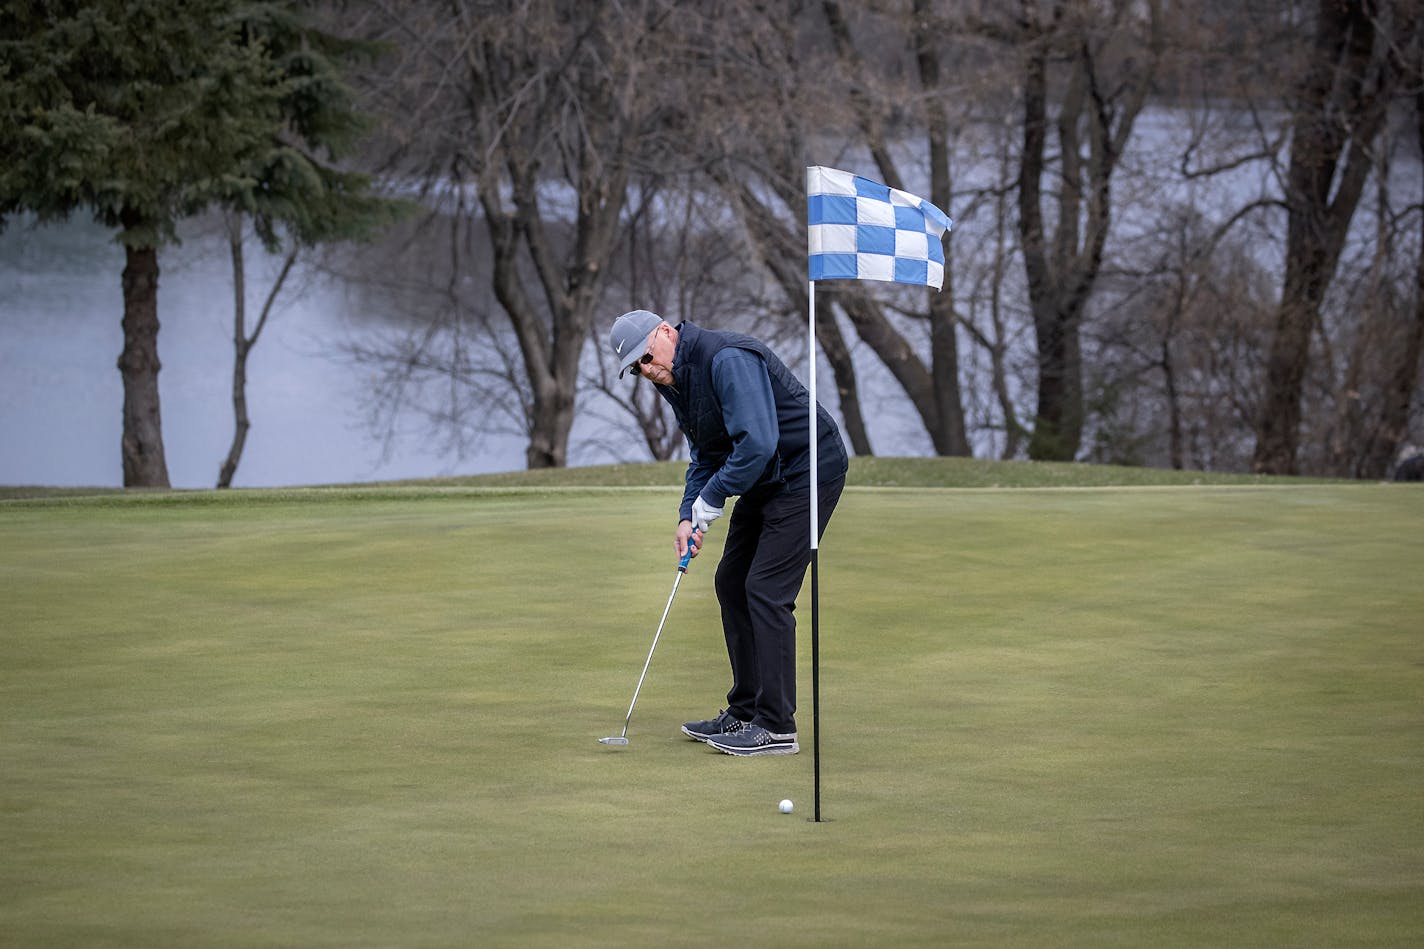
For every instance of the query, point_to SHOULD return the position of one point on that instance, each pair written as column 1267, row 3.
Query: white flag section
column 859, row 229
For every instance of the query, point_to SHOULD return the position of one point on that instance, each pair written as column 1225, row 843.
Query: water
column 61, row 395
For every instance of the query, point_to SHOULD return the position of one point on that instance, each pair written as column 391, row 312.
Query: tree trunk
column 947, row 432
column 1278, row 431
column 933, row 389
column 240, row 349
column 1404, row 379
column 833, row 344
column 242, row 343
column 997, row 342
column 1176, row 443
column 1342, row 106
column 875, row 330
column 550, row 346
column 1058, row 427
column 1058, row 422
column 1058, row 417
column 143, row 458
column 550, row 420
column 1094, row 113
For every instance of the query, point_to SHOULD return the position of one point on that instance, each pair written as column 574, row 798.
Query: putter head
column 615, row 740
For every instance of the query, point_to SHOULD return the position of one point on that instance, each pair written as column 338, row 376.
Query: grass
column 864, row 472
column 338, row 717
column 881, row 472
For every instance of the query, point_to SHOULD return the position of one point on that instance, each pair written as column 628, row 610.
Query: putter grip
column 687, row 557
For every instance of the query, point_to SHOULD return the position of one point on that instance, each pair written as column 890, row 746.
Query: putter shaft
column 681, row 569
column 667, row 609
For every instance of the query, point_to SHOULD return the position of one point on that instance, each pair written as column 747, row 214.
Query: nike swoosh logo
column 618, row 350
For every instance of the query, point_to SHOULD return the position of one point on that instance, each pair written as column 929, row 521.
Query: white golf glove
column 703, row 514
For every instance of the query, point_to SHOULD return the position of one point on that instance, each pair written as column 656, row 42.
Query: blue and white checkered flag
column 859, row 229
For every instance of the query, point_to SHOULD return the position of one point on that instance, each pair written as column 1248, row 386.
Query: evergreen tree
column 144, row 112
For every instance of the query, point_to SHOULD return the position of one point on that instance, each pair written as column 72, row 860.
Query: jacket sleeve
column 743, row 388
column 698, row 473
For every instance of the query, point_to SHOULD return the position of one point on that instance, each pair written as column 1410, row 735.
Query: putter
column 621, row 740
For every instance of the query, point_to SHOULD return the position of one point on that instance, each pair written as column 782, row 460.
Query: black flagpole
column 816, row 674
column 815, row 553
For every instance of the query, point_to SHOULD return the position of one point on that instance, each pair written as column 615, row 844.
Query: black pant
column 764, row 562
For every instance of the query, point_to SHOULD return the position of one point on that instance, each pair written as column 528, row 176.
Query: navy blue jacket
column 746, row 418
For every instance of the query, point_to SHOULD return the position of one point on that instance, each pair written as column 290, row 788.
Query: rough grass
column 864, row 472
column 885, row 472
column 332, row 717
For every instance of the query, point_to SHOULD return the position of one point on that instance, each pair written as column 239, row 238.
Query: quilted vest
column 699, row 413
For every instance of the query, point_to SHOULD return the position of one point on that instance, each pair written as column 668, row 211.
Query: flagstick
column 815, row 557
column 824, row 260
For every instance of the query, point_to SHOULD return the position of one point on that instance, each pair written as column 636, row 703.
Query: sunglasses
column 644, row 359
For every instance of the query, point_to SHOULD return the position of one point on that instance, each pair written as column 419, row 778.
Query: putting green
column 1118, row 716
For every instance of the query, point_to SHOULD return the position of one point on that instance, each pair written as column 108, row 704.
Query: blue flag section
column 859, row 229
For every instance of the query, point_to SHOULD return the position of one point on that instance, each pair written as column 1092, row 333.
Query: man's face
column 657, row 364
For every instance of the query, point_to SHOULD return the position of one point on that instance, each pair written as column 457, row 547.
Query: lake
column 61, row 395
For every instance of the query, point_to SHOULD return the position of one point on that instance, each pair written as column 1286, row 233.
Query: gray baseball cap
column 629, row 337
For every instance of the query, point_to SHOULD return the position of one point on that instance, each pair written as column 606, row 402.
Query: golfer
column 747, row 422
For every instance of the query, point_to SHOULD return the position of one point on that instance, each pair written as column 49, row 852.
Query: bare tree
column 1372, row 402
column 932, row 383
column 794, row 87
column 242, row 341
column 1103, row 58
column 990, row 318
column 1339, row 109
column 1281, row 100
column 439, row 350
column 1368, row 364
column 651, row 153
column 1403, row 378
column 543, row 112
column 1177, row 346
column 682, row 257
column 763, row 102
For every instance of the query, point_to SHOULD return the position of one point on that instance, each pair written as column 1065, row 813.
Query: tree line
column 1187, row 234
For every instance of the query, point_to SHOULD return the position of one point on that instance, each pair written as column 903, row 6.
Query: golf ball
column 786, row 806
